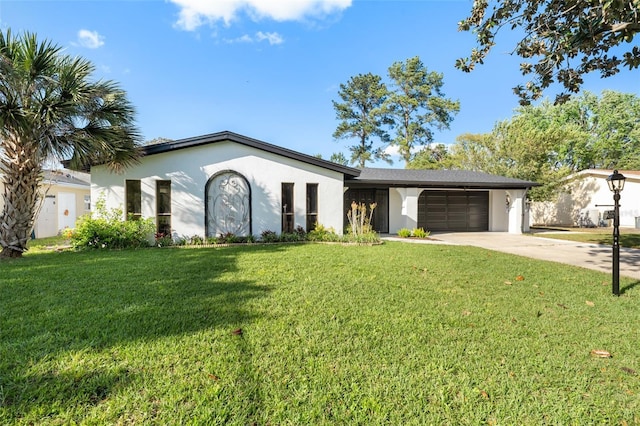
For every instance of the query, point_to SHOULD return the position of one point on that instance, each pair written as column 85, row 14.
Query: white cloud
column 194, row 13
column 272, row 38
column 90, row 39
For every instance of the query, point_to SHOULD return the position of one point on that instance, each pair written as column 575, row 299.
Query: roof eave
column 456, row 185
column 254, row 143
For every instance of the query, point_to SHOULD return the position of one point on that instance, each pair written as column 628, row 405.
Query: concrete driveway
column 592, row 256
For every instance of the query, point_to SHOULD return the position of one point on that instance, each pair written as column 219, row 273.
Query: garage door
column 453, row 211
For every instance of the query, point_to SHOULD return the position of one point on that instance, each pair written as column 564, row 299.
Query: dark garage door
column 453, row 210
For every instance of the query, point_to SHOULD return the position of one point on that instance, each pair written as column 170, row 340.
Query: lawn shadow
column 626, row 288
column 601, row 258
column 68, row 303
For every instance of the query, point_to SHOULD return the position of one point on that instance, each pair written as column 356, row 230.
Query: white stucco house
column 65, row 196
column 586, row 199
column 228, row 183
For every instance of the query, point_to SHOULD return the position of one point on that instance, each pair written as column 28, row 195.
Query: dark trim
column 435, row 185
column 254, row 143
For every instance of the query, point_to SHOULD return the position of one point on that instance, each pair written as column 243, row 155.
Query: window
column 312, row 206
column 87, row 203
column 163, row 206
column 288, row 211
column 133, row 193
column 228, row 205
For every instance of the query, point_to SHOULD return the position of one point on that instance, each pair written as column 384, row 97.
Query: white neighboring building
column 66, row 195
column 228, row 183
column 586, row 200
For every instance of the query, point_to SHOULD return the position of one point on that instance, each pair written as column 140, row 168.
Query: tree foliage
column 413, row 104
column 416, row 104
column 562, row 40
column 362, row 117
column 430, row 157
column 50, row 108
column 546, row 143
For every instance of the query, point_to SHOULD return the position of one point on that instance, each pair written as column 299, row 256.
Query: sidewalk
column 591, row 256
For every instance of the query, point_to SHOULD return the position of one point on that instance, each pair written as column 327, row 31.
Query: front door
column 66, row 210
column 380, row 218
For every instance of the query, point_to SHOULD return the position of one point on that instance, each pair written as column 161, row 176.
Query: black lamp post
column 616, row 185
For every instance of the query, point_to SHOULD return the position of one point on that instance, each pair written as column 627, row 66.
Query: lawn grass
column 391, row 334
column 629, row 237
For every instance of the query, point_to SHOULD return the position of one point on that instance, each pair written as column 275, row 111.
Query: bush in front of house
column 105, row 229
column 404, row 233
column 420, row 233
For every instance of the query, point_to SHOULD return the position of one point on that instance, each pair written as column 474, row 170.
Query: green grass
column 628, row 237
column 48, row 243
column 391, row 334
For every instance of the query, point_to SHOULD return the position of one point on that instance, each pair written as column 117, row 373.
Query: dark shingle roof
column 254, row 143
column 435, row 178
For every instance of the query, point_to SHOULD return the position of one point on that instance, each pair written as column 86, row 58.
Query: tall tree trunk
column 21, row 176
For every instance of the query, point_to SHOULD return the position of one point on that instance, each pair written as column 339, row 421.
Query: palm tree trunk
column 21, row 176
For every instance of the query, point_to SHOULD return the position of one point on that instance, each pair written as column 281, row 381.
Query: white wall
column 589, row 193
column 189, row 170
column 403, row 210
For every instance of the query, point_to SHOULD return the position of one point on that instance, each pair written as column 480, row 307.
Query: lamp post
column 616, row 185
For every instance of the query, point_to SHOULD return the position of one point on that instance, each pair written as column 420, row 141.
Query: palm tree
column 50, row 108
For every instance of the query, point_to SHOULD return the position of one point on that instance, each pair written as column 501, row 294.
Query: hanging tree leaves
column 563, row 40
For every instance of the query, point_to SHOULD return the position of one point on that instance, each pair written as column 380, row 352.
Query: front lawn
column 314, row 334
column 629, row 237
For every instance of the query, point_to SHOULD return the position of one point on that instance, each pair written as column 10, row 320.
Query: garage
column 461, row 211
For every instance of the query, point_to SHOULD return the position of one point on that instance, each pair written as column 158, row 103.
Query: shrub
column 164, row 240
column 196, row 240
column 301, row 232
column 268, row 236
column 322, row 233
column 404, row 233
column 106, row 229
column 420, row 233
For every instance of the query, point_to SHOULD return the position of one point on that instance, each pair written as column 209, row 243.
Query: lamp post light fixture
column 616, row 185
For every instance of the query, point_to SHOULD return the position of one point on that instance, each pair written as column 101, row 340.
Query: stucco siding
column 190, row 169
column 586, row 199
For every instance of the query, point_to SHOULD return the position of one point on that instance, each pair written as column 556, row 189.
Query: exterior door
column 380, row 218
column 46, row 222
column 66, row 210
column 462, row 211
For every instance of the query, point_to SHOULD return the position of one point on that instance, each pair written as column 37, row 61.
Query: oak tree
column 561, row 40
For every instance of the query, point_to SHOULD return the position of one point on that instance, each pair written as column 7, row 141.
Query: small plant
column 196, row 240
column 359, row 221
column 67, row 233
column 420, row 233
column 228, row 238
column 212, row 240
column 404, row 233
column 163, row 240
column 322, row 233
column 268, row 236
column 301, row 232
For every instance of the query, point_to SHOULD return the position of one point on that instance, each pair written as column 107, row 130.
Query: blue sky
column 269, row 69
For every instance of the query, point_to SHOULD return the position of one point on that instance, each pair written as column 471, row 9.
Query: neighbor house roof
column 66, row 177
column 254, row 143
column 604, row 173
column 464, row 179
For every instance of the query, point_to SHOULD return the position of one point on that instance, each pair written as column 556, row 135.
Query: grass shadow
column 57, row 306
column 626, row 288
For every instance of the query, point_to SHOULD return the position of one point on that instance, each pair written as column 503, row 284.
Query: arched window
column 228, row 205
